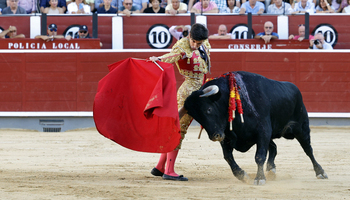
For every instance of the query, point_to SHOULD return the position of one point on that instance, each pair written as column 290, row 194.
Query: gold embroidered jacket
column 188, row 61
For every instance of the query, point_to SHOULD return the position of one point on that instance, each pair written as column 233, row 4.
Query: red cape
column 136, row 106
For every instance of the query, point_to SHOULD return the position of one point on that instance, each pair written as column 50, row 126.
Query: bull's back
column 279, row 103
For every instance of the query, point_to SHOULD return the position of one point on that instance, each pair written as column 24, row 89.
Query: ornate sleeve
column 173, row 56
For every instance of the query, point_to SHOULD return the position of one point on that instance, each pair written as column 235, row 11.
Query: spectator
column 319, row 43
column 262, row 1
column 343, row 4
column 11, row 32
column 325, row 6
column 3, row 4
column 155, row 8
column 78, row 7
column 268, row 33
column 239, row 3
column 252, row 6
column 128, row 8
column 91, row 3
column 46, row 3
column 222, row 33
column 222, row 5
column 190, row 4
column 28, row 5
column 106, row 8
column 52, row 34
column 140, row 5
column 279, row 7
column 303, row 6
column 301, row 36
column 347, row 8
column 339, row 5
column 174, row 31
column 53, row 9
column 176, row 7
column 13, row 8
column 117, row 4
column 296, row 1
column 205, row 6
column 231, row 7
column 83, row 32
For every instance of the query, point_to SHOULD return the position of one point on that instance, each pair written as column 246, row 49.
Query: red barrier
column 54, row 44
column 67, row 81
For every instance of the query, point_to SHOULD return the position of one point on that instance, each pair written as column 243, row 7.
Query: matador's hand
column 154, row 58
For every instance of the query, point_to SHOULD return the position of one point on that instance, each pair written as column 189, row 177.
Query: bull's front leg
column 227, row 149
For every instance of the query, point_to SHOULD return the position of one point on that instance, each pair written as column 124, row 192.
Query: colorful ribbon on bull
column 234, row 98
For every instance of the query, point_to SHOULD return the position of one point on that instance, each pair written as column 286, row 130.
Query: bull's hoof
column 271, row 174
column 322, row 176
column 245, row 178
column 259, row 182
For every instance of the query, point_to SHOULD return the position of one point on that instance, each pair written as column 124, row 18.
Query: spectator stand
column 119, row 32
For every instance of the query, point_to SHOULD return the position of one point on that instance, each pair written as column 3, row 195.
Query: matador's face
column 195, row 44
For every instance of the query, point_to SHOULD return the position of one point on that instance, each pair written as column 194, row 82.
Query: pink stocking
column 170, row 163
column 161, row 163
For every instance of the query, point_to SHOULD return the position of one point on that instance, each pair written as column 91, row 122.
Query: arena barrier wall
column 63, row 44
column 147, row 31
column 66, row 80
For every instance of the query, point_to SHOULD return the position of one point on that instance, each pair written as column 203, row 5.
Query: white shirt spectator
column 248, row 9
column 326, row 46
column 310, row 7
column 228, row 10
column 221, row 4
column 73, row 7
column 286, row 8
column 182, row 6
column 346, row 9
column 177, row 34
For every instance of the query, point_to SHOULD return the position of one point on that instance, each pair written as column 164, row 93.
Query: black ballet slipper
column 174, row 178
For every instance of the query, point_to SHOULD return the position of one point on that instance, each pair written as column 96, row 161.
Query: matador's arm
column 171, row 57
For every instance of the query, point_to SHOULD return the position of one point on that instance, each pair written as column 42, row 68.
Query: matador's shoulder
column 182, row 45
column 207, row 44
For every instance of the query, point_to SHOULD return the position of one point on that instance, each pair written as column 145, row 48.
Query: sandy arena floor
column 84, row 165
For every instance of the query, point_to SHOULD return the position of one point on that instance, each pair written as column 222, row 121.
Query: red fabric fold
column 136, row 106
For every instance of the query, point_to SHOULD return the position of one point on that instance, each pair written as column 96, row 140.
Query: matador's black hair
column 199, row 32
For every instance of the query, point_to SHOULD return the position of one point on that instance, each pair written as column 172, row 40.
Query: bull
column 272, row 109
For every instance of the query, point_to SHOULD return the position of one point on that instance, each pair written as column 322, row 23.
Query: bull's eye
column 209, row 110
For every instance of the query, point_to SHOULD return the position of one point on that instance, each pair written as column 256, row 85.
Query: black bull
column 272, row 109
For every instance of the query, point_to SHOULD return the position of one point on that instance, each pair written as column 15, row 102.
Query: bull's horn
column 210, row 90
column 182, row 112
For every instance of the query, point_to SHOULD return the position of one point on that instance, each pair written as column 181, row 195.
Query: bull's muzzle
column 218, row 137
